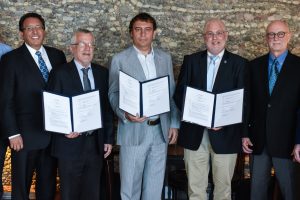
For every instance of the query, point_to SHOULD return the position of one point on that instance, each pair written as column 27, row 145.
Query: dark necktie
column 86, row 80
column 42, row 66
column 273, row 75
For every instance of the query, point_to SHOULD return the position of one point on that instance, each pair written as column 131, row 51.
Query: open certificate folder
column 79, row 113
column 148, row 98
column 212, row 110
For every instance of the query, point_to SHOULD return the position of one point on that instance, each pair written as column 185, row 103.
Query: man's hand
column 136, row 118
column 296, row 153
column 72, row 135
column 173, row 134
column 107, row 150
column 246, row 145
column 216, row 128
column 16, row 143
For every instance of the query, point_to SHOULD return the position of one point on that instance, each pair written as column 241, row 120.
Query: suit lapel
column 222, row 71
column 76, row 82
column 135, row 65
column 202, row 65
column 32, row 66
column 263, row 72
column 158, row 62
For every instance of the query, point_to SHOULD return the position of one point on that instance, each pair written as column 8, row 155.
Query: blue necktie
column 273, row 75
column 211, row 72
column 42, row 66
column 86, row 80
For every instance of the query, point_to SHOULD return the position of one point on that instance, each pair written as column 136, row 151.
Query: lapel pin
column 225, row 61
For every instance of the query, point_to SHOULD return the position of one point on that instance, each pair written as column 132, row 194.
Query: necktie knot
column 213, row 59
column 85, row 71
column 42, row 65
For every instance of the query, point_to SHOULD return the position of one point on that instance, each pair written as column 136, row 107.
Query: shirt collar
column 220, row 55
column 140, row 53
column 280, row 58
column 79, row 66
column 33, row 51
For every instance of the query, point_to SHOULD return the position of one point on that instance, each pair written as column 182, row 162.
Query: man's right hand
column 246, row 145
column 16, row 143
column 136, row 118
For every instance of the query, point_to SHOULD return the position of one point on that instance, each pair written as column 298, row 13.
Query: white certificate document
column 198, row 107
column 129, row 94
column 209, row 110
column 76, row 114
column 148, row 98
column 156, row 99
column 86, row 112
column 57, row 113
column 229, row 108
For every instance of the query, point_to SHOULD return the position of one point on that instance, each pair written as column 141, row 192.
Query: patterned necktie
column 86, row 80
column 211, row 72
column 42, row 66
column 273, row 75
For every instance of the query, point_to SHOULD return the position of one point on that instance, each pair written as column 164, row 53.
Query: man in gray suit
column 143, row 141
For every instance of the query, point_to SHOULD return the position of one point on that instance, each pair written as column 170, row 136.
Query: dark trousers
column 261, row 176
column 3, row 147
column 24, row 163
column 80, row 175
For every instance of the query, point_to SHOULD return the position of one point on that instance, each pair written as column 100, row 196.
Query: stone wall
column 180, row 23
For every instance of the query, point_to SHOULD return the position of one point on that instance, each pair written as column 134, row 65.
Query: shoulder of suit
column 234, row 56
column 52, row 49
column 98, row 67
column 160, row 52
column 196, row 55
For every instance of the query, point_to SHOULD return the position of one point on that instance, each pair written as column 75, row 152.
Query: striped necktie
column 273, row 75
column 42, row 66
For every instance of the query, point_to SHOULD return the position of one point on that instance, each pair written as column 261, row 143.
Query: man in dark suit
column 80, row 155
column 215, row 70
column 273, row 86
column 24, row 73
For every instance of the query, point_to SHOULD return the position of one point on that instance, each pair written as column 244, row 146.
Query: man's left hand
column 173, row 134
column 296, row 153
column 107, row 150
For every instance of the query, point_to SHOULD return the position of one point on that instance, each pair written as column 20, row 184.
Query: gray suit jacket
column 127, row 61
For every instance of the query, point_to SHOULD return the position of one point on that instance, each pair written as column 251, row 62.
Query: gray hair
column 80, row 30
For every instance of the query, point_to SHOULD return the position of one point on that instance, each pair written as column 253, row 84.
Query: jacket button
column 269, row 105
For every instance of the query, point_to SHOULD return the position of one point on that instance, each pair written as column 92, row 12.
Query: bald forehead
column 278, row 24
column 214, row 22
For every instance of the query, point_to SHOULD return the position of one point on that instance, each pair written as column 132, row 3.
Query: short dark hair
column 145, row 17
column 29, row 15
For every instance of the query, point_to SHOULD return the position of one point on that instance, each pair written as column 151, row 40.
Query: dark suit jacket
column 272, row 119
column 21, row 83
column 66, row 81
column 230, row 76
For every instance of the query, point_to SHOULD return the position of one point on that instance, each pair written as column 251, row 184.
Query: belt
column 153, row 122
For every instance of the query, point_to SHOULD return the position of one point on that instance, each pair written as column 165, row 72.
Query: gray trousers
column 142, row 167
column 261, row 176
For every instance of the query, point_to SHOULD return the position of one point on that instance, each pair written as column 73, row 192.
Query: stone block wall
column 180, row 23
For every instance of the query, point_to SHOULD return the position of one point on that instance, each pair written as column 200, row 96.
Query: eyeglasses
column 218, row 34
column 280, row 34
column 82, row 45
column 32, row 28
